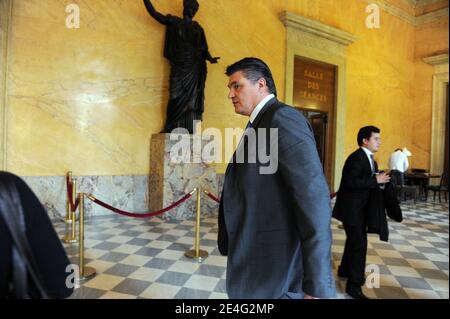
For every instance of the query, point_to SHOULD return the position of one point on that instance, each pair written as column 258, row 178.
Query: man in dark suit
column 274, row 222
column 360, row 178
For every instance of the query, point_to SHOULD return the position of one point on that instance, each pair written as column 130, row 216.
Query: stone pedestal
column 176, row 168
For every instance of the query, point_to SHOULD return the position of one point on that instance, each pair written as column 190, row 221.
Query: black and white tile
column 144, row 258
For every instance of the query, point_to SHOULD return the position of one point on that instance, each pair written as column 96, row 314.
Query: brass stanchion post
column 85, row 272
column 197, row 253
column 71, row 238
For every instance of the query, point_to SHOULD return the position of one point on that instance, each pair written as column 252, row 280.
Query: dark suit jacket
column 361, row 202
column 376, row 221
column 391, row 203
column 275, row 228
column 354, row 193
column 380, row 204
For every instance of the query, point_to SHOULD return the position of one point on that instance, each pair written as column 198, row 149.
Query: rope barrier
column 70, row 219
column 214, row 198
column 73, row 204
column 140, row 215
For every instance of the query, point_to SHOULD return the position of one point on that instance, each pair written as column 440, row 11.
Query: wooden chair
column 442, row 187
column 398, row 181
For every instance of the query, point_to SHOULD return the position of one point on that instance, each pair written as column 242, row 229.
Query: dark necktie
column 242, row 142
column 244, row 138
column 372, row 162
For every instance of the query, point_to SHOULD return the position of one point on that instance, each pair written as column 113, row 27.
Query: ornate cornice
column 316, row 28
column 420, row 3
column 436, row 59
column 406, row 16
column 432, row 16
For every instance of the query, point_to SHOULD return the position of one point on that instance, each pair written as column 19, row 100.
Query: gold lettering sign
column 314, row 75
column 314, row 84
column 313, row 96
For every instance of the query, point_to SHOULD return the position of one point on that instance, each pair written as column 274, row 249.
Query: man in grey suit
column 274, row 225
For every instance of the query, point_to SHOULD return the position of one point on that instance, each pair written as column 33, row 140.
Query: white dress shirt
column 369, row 153
column 398, row 161
column 253, row 116
column 259, row 107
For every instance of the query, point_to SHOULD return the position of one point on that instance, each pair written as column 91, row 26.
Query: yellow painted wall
column 89, row 99
column 379, row 88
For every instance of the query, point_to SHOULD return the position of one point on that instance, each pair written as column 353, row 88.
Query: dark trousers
column 353, row 261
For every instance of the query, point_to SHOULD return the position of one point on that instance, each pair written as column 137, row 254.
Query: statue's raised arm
column 155, row 14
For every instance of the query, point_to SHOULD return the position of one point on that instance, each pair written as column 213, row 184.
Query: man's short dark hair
column 366, row 132
column 253, row 69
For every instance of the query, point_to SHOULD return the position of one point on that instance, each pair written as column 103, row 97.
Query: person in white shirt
column 399, row 160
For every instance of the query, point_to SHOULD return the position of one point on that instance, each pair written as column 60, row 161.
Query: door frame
column 439, row 109
column 317, row 41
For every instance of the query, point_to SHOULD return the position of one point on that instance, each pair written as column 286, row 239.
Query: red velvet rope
column 214, row 198
column 69, row 188
column 136, row 215
column 73, row 205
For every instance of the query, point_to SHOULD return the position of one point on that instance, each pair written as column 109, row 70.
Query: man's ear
column 262, row 83
column 365, row 141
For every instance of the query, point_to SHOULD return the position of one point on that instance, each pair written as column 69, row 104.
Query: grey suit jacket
column 275, row 228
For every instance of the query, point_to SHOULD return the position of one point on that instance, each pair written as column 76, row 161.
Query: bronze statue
column 186, row 49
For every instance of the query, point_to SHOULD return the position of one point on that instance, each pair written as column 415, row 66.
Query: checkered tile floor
column 137, row 258
column 414, row 263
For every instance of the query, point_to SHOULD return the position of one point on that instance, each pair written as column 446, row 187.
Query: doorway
column 319, row 124
column 315, row 96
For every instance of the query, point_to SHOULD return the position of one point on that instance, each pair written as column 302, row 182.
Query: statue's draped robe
column 186, row 49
